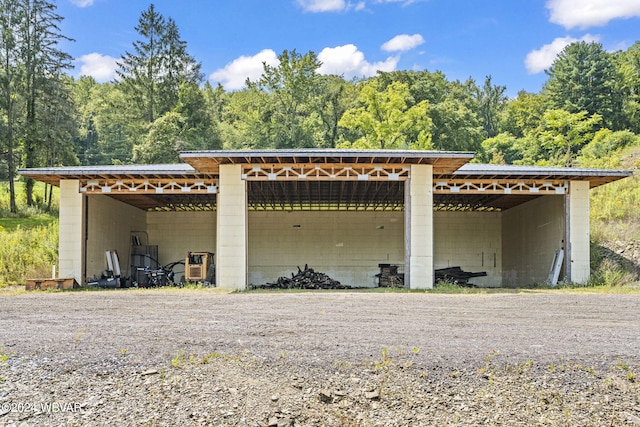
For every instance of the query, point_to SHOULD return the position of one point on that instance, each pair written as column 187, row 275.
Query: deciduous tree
column 385, row 119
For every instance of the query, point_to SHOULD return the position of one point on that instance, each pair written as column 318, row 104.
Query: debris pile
column 389, row 276
column 305, row 279
column 456, row 275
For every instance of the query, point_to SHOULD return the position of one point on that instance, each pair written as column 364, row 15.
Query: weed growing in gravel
column 4, row 360
column 487, row 364
column 208, row 358
column 622, row 366
column 631, row 376
column 341, row 365
column 79, row 333
column 179, row 359
column 519, row 368
column 629, row 372
column 385, row 362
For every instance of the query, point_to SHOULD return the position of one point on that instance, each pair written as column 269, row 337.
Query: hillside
column 615, row 221
column 29, row 238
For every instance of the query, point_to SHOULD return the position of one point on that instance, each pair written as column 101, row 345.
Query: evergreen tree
column 151, row 75
column 582, row 78
column 9, row 81
column 40, row 80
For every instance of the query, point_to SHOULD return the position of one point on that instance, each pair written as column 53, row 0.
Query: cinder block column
column 71, row 245
column 419, row 228
column 578, row 267
column 231, row 252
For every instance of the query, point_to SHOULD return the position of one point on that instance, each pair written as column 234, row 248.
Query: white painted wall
column 579, row 232
column 231, row 248
column 110, row 226
column 71, row 230
column 472, row 241
column 348, row 246
column 419, row 236
column 177, row 233
column 531, row 233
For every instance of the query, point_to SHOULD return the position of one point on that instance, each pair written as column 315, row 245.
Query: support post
column 419, row 272
column 578, row 250
column 231, row 245
column 72, row 226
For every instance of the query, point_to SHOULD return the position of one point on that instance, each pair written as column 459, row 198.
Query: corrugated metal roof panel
column 484, row 169
column 180, row 168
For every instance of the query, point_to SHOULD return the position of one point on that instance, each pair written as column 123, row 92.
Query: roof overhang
column 596, row 177
column 344, row 179
column 53, row 175
column 442, row 161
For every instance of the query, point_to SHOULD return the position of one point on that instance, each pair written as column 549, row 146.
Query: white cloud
column 404, row 2
column 234, row 75
column 403, row 42
column 82, row 3
column 590, row 13
column 319, row 6
column 541, row 59
column 101, row 67
column 322, row 5
column 347, row 60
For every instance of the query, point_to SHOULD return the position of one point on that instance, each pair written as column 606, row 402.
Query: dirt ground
column 199, row 357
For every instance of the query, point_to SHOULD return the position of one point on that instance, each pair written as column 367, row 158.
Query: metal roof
column 596, row 177
column 447, row 165
column 53, row 175
column 210, row 161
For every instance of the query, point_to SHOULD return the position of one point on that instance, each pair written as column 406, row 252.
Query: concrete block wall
column 514, row 247
column 348, row 246
column 177, row 233
column 110, row 226
column 231, row 244
column 579, row 232
column 419, row 236
column 71, row 230
column 472, row 241
column 531, row 233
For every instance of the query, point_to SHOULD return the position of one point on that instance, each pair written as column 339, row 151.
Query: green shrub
column 27, row 253
column 610, row 273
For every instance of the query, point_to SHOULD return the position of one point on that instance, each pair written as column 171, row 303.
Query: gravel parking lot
column 200, row 357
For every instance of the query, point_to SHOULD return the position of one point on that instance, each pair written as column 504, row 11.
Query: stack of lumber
column 389, row 277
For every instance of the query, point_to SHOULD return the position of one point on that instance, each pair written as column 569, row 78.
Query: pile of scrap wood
column 389, row 276
column 305, row 279
column 456, row 275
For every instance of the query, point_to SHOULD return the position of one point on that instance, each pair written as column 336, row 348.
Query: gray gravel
column 198, row 357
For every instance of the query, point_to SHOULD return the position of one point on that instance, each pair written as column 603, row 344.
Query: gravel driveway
column 198, row 357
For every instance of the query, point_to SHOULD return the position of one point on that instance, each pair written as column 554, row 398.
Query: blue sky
column 514, row 41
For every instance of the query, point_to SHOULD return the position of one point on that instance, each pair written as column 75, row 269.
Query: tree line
column 159, row 104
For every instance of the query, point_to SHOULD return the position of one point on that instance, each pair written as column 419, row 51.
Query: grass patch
column 25, row 211
column 15, row 223
column 27, row 253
